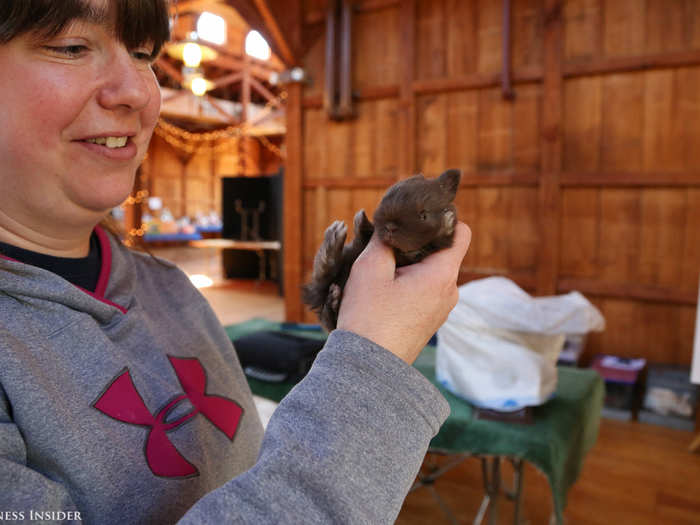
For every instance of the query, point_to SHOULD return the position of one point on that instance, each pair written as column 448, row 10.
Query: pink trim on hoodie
column 106, row 253
column 103, row 279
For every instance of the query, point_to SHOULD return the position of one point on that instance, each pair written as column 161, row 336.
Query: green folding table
column 564, row 429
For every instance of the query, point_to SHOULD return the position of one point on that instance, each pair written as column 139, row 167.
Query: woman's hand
column 401, row 308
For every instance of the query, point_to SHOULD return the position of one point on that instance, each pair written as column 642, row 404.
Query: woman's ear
column 449, row 182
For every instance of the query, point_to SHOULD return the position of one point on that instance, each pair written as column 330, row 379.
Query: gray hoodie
column 128, row 405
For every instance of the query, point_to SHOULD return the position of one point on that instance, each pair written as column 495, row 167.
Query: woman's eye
column 71, row 51
column 143, row 55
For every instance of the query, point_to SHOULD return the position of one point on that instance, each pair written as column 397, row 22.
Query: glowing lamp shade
column 199, row 86
column 256, row 46
column 192, row 54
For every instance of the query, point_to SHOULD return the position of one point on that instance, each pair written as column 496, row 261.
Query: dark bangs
column 135, row 22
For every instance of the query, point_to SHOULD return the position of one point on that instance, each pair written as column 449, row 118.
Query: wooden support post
column 292, row 205
column 549, row 188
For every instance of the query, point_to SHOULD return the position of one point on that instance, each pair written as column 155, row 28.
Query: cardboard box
column 670, row 399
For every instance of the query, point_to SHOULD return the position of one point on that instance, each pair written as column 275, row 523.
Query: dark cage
column 252, row 212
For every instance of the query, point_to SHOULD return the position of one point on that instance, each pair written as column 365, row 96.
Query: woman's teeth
column 110, row 142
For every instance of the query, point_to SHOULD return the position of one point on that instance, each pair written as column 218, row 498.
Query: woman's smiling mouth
column 110, row 142
column 113, row 147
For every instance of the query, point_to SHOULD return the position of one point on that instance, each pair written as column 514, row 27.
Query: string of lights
column 232, row 131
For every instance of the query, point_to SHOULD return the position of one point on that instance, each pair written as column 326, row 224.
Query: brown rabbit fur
column 416, row 217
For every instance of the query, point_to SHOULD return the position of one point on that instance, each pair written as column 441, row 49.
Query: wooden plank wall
column 588, row 180
column 190, row 183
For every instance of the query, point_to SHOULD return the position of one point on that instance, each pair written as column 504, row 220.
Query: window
column 256, row 46
column 212, row 28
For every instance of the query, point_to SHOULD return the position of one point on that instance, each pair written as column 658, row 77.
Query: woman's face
column 77, row 115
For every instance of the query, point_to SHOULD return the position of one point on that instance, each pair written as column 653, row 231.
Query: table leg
column 496, row 489
column 491, row 474
column 262, row 262
column 516, row 494
column 695, row 445
column 428, row 480
column 492, row 489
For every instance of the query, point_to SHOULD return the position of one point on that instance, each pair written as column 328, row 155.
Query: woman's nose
column 126, row 83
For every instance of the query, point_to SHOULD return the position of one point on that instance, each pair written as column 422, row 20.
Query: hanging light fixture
column 199, row 86
column 192, row 52
column 193, row 79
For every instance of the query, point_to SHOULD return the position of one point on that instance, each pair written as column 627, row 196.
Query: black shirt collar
column 81, row 271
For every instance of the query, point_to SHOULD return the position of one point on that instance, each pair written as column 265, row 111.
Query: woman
column 121, row 398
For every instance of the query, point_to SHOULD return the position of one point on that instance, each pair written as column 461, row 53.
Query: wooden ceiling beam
column 262, row 90
column 237, row 64
column 228, row 79
column 278, row 34
column 169, row 69
column 219, row 109
column 251, row 15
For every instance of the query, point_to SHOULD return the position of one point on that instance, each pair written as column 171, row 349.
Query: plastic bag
column 499, row 346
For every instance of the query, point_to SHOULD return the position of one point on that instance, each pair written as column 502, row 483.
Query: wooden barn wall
column 588, row 180
column 190, row 183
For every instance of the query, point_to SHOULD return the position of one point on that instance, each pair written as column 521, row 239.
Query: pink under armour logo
column 122, row 402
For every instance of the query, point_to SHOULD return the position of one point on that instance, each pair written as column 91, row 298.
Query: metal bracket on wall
column 337, row 95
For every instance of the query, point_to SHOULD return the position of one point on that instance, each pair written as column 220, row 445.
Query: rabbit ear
column 449, row 182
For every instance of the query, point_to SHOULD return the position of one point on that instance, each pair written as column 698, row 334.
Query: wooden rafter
column 252, row 16
column 275, row 29
column 175, row 95
column 228, row 79
column 169, row 69
column 219, row 109
column 262, row 90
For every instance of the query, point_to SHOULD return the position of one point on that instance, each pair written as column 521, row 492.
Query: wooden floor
column 636, row 474
column 233, row 300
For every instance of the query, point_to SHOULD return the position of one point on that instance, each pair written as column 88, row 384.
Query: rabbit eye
column 423, row 215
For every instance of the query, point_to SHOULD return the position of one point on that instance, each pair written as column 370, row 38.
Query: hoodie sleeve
column 23, row 489
column 343, row 447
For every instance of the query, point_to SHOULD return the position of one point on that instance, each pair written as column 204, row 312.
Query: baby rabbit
column 416, row 217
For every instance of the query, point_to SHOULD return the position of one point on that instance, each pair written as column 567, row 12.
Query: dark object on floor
column 670, row 398
column 522, row 416
column 275, row 356
column 624, row 379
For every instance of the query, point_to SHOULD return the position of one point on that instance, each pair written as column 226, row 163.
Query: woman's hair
column 135, row 22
